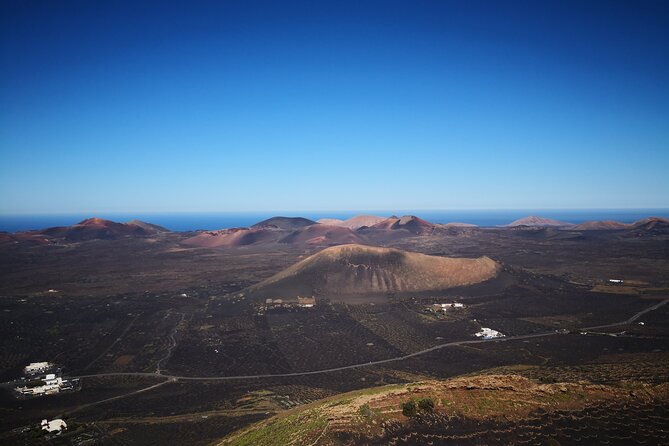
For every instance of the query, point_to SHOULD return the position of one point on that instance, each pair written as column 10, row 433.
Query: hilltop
column 286, row 223
column 307, row 236
column 358, row 270
column 234, row 237
column 470, row 410
column 100, row 229
column 596, row 225
column 354, row 223
column 537, row 222
column 409, row 223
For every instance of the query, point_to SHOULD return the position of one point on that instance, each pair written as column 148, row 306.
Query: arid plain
column 298, row 332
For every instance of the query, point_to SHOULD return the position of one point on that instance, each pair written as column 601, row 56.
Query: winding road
column 174, row 378
column 370, row 363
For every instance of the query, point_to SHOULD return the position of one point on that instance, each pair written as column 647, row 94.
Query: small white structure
column 447, row 306
column 56, row 425
column 488, row 333
column 37, row 367
column 616, row 281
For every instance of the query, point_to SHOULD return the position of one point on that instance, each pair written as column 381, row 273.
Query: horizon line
column 32, row 214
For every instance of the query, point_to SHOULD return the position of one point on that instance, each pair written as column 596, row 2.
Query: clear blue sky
column 131, row 106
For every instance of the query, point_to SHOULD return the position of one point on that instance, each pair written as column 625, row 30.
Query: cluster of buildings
column 444, row 308
column 36, row 382
column 302, row 302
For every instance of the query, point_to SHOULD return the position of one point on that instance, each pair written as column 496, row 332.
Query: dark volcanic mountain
column 96, row 228
column 358, row 270
column 287, row 223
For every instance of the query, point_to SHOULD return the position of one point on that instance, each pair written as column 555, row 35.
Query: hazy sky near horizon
column 248, row 105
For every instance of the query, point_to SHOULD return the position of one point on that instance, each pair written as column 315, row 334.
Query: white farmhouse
column 56, row 425
column 37, row 367
column 488, row 333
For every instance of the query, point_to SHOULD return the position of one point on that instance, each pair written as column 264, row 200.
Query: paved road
column 143, row 389
column 371, row 363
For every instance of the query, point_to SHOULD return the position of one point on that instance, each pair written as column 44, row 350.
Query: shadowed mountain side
column 286, row 223
column 149, row 227
column 358, row 269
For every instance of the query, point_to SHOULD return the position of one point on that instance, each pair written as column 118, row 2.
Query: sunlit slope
column 359, row 269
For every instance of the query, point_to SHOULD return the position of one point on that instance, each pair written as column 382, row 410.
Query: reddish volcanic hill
column 649, row 227
column 354, row 222
column 312, row 235
column 286, row 223
column 537, row 222
column 349, row 270
column 651, row 222
column 410, row 223
column 232, row 238
column 599, row 225
column 95, row 228
column 322, row 235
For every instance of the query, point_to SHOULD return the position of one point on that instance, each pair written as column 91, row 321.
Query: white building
column 56, row 425
column 616, row 280
column 488, row 333
column 37, row 367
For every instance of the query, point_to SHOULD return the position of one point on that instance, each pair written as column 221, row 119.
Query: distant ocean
column 210, row 221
